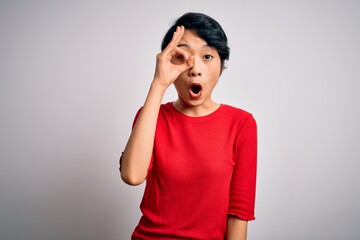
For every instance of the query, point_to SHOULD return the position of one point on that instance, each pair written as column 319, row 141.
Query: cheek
column 179, row 85
column 181, row 80
column 210, row 85
column 214, row 76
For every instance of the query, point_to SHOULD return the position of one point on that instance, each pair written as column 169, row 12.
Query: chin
column 193, row 102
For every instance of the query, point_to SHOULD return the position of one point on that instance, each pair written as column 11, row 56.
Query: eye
column 208, row 57
column 177, row 59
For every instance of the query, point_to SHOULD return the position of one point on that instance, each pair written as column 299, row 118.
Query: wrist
column 159, row 85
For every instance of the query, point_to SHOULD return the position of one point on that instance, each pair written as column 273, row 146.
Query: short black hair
column 207, row 28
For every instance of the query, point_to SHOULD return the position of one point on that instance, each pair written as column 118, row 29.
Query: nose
column 195, row 70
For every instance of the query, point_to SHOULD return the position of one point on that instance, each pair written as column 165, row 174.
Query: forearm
column 236, row 229
column 137, row 153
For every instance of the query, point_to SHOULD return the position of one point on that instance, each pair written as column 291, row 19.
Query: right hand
column 172, row 61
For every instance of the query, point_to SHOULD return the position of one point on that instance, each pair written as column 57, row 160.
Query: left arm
column 236, row 229
column 243, row 183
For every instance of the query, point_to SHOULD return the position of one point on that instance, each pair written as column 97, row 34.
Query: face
column 195, row 86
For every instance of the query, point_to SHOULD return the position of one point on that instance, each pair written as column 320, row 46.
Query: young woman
column 198, row 157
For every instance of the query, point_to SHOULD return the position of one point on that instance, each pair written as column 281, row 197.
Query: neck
column 202, row 109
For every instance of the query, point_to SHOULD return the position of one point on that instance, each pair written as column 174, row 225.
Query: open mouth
column 195, row 90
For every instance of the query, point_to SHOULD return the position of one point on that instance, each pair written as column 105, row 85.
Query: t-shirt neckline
column 208, row 116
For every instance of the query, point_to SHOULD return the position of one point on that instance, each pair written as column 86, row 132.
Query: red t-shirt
column 202, row 170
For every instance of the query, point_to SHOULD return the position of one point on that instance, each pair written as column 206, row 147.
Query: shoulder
column 166, row 109
column 237, row 113
column 166, row 106
column 244, row 123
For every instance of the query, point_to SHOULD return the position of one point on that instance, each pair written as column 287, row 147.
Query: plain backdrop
column 74, row 73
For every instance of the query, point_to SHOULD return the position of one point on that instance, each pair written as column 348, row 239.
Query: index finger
column 175, row 39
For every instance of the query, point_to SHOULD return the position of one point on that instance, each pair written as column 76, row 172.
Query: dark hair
column 207, row 28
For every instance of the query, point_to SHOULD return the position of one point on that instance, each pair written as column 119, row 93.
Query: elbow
column 132, row 174
column 132, row 179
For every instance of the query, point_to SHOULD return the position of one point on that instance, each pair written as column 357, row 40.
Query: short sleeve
column 243, row 182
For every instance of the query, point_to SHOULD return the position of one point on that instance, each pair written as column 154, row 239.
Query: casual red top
column 203, row 169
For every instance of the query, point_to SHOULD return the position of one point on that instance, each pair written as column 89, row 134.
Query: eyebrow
column 188, row 46
column 183, row 45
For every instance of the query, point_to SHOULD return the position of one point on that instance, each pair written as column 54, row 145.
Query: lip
column 195, row 90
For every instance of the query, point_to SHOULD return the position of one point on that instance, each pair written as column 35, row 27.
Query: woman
column 198, row 157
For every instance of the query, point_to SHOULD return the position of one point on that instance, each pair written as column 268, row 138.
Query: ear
column 222, row 66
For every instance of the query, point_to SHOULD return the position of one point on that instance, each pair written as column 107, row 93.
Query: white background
column 74, row 73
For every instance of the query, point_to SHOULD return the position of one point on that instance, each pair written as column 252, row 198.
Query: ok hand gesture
column 172, row 61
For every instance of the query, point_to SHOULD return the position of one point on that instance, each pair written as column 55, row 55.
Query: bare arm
column 236, row 229
column 138, row 151
column 137, row 154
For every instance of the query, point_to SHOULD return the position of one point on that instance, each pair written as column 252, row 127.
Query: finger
column 190, row 61
column 178, row 56
column 175, row 39
column 187, row 64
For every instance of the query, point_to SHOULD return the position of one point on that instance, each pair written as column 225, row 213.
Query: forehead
column 190, row 40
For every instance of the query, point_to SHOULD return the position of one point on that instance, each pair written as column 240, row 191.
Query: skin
column 186, row 60
column 236, row 229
